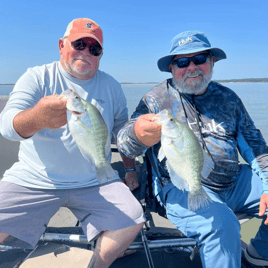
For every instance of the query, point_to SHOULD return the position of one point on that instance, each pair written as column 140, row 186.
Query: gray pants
column 25, row 212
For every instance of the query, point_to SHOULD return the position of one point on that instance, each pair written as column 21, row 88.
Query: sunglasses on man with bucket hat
column 197, row 60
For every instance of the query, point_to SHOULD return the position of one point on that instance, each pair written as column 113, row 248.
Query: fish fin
column 208, row 165
column 198, row 199
column 179, row 182
column 82, row 124
column 161, row 154
column 104, row 174
column 108, row 147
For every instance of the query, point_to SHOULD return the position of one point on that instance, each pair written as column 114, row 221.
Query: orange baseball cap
column 83, row 27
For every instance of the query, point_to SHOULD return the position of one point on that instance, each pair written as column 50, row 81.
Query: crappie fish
column 186, row 160
column 90, row 133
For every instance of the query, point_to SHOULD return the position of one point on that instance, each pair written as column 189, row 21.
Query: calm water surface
column 253, row 95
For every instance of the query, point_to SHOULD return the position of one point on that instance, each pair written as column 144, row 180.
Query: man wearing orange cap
column 51, row 171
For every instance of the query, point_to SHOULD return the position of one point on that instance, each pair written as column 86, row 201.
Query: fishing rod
column 147, row 249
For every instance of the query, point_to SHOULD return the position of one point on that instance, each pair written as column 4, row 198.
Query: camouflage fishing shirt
column 220, row 122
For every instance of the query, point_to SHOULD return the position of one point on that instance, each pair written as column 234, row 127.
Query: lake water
column 253, row 95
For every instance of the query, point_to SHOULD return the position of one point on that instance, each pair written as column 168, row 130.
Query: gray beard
column 196, row 87
column 72, row 70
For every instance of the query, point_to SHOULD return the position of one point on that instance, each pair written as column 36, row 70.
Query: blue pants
column 216, row 228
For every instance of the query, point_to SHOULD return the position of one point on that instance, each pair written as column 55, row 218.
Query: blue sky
column 136, row 34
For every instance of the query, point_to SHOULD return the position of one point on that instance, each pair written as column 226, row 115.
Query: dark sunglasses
column 197, row 60
column 94, row 49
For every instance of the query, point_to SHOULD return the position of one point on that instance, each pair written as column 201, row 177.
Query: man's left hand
column 263, row 206
column 131, row 180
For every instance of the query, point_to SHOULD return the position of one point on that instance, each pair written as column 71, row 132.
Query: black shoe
column 253, row 258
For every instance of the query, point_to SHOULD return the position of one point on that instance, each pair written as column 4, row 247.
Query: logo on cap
column 187, row 40
column 89, row 25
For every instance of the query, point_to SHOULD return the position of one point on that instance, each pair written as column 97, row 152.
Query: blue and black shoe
column 253, row 258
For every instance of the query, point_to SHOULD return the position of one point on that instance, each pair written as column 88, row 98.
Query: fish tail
column 198, row 199
column 105, row 173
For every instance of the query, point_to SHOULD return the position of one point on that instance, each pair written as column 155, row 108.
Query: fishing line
column 197, row 113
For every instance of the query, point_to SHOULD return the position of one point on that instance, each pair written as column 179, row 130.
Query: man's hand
column 131, row 180
column 147, row 131
column 130, row 177
column 49, row 112
column 263, row 206
column 52, row 112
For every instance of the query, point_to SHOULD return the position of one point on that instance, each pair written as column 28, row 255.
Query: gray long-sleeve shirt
column 50, row 159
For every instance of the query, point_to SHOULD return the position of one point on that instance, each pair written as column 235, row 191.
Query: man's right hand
column 49, row 112
column 52, row 112
column 147, row 131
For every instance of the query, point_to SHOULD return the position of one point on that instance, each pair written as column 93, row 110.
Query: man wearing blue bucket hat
column 187, row 43
column 222, row 126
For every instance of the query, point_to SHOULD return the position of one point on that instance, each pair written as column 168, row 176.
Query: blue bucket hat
column 187, row 43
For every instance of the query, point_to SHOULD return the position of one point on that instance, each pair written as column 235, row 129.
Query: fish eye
column 77, row 97
column 171, row 119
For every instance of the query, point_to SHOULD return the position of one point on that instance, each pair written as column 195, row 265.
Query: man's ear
column 61, row 45
column 170, row 67
column 213, row 60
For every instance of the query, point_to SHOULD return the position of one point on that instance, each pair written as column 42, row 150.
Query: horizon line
column 216, row 80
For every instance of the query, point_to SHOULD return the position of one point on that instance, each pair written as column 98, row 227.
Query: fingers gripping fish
column 90, row 133
column 186, row 160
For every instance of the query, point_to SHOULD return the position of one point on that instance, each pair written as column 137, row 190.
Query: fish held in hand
column 90, row 133
column 186, row 160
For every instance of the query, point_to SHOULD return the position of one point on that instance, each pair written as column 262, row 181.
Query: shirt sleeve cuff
column 265, row 186
column 7, row 127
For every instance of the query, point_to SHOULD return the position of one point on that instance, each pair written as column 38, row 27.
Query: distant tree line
column 244, row 80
